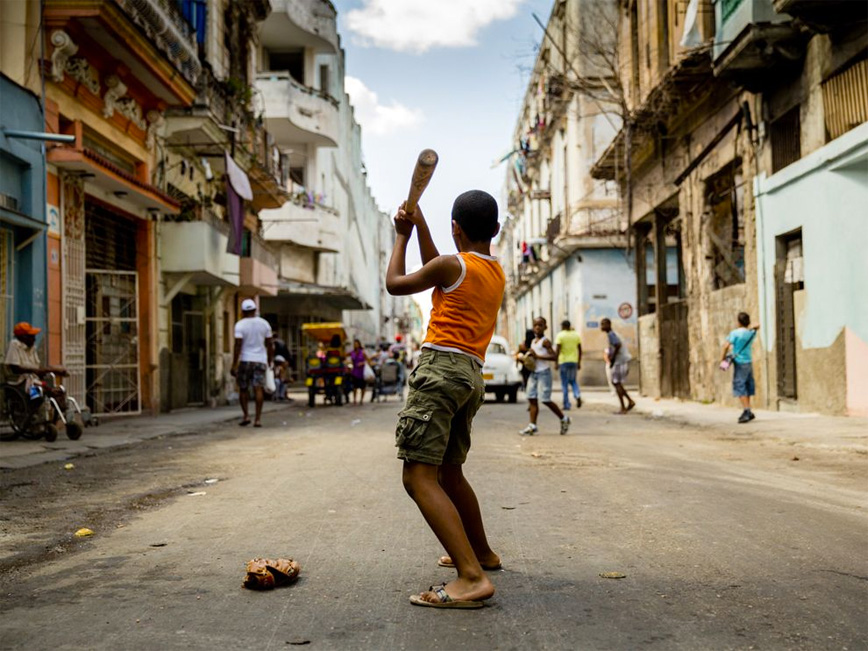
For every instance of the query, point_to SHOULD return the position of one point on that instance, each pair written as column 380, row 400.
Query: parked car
column 500, row 371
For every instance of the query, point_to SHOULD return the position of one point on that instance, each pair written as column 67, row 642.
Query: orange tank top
column 464, row 315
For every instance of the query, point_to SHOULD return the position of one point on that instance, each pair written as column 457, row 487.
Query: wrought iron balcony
column 163, row 24
column 752, row 40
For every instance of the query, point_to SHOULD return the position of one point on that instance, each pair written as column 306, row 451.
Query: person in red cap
column 22, row 359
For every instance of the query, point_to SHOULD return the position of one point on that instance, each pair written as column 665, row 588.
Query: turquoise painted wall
column 825, row 195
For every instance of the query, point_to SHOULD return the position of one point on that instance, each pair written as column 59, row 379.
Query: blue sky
column 444, row 74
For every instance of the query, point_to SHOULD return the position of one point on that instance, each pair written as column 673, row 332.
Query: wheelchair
column 35, row 412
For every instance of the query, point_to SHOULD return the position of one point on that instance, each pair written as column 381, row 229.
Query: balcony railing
column 163, row 24
column 298, row 113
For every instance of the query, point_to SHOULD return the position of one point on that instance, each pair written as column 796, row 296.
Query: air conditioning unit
column 8, row 202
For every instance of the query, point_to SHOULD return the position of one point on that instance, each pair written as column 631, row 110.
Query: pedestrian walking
column 539, row 385
column 739, row 341
column 359, row 358
column 619, row 363
column 253, row 354
column 568, row 346
column 525, row 364
column 447, row 389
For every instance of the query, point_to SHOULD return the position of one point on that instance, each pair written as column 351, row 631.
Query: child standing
column 743, row 385
column 539, row 386
column 447, row 389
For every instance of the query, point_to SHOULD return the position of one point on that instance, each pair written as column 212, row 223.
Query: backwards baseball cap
column 248, row 305
column 24, row 328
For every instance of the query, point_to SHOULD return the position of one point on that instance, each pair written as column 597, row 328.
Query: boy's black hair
column 743, row 319
column 475, row 212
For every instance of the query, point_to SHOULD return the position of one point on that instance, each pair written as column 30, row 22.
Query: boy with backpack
column 743, row 384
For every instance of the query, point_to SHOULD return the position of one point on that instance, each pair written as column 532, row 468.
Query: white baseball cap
column 248, row 305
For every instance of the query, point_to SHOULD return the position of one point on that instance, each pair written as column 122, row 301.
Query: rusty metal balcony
column 150, row 37
column 824, row 15
column 752, row 41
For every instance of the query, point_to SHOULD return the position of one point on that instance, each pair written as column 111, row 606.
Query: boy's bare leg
column 259, row 398
column 557, row 410
column 243, row 399
column 421, row 483
column 461, row 493
column 534, row 409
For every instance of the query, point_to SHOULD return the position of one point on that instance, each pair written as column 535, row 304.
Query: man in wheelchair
column 25, row 375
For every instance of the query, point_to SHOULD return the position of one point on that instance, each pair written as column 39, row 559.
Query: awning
column 336, row 297
column 21, row 220
column 111, row 178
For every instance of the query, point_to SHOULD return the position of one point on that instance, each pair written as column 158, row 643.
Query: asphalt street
column 726, row 539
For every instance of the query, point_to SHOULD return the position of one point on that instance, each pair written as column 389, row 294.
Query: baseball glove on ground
column 268, row 573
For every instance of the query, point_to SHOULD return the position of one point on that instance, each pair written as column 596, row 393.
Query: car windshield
column 496, row 349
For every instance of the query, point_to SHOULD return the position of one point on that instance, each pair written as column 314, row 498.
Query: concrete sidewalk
column 120, row 431
column 845, row 434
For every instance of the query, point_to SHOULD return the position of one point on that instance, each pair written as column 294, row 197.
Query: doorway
column 789, row 279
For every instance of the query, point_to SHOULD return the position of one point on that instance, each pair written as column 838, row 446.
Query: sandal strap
column 440, row 591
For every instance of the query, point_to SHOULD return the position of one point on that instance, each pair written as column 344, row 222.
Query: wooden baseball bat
column 421, row 176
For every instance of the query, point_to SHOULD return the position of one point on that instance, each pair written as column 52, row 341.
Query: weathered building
column 563, row 244
column 330, row 236
column 709, row 88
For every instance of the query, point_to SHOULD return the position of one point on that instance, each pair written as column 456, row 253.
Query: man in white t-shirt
column 254, row 352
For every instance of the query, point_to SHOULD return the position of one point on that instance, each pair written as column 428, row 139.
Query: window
column 324, row 80
column 728, row 7
column 724, row 226
column 845, row 99
column 292, row 62
column 786, row 139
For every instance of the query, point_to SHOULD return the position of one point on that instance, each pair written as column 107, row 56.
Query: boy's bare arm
column 427, row 249
column 441, row 271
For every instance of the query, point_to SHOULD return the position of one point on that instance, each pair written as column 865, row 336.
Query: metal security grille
column 112, row 342
column 74, row 335
column 786, row 139
column 845, row 99
column 111, row 240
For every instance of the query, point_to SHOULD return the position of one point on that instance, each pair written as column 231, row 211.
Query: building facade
column 182, row 191
column 330, row 237
column 721, row 97
column 564, row 242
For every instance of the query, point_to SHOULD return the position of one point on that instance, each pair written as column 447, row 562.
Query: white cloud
column 376, row 118
column 418, row 25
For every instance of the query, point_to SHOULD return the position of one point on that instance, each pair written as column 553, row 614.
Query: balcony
column 753, row 41
column 823, row 15
column 301, row 23
column 259, row 270
column 307, row 225
column 149, row 37
column 297, row 114
column 197, row 251
column 218, row 122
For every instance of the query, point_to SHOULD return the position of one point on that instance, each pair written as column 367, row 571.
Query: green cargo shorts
column 446, row 391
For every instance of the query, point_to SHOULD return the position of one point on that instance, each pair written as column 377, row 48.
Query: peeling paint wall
column 824, row 195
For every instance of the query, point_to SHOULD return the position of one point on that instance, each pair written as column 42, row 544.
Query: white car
column 500, row 371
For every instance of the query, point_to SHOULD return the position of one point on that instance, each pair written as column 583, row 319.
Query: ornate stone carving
column 129, row 108
column 79, row 69
column 63, row 49
column 116, row 90
column 63, row 62
column 156, row 121
column 73, row 206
